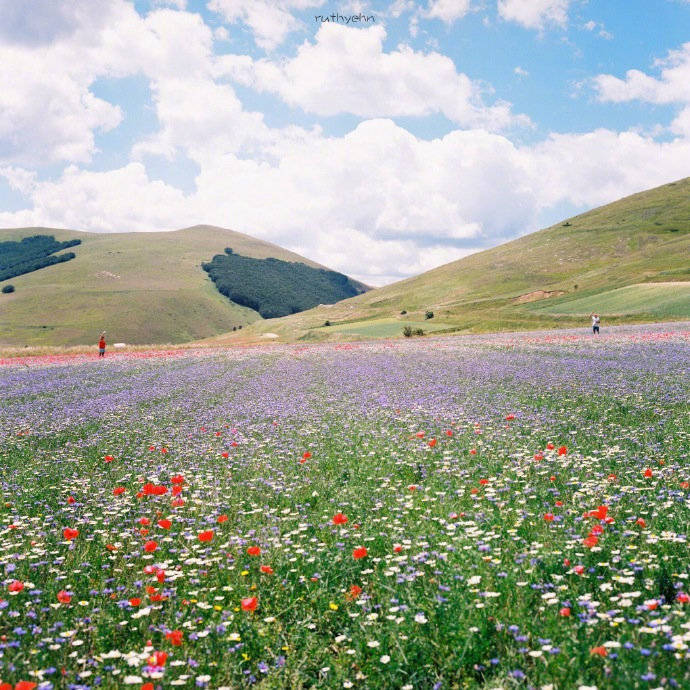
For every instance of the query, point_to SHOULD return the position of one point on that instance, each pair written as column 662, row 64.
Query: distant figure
column 101, row 345
column 595, row 323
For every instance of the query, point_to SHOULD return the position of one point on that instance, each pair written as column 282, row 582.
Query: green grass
column 659, row 300
column 642, row 238
column 384, row 328
column 139, row 287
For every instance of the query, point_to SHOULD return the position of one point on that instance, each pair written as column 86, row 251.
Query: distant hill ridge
column 139, row 287
column 551, row 278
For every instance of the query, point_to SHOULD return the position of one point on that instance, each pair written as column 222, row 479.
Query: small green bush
column 403, row 312
column 419, row 331
column 407, row 331
column 327, row 323
column 429, row 315
column 8, row 288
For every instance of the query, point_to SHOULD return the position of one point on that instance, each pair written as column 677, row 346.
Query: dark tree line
column 31, row 254
column 277, row 288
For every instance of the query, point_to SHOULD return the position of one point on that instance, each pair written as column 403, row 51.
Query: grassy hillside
column 644, row 238
column 139, row 287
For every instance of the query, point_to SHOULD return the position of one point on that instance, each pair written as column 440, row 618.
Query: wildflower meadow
column 496, row 512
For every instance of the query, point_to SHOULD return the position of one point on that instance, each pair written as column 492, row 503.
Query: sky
column 381, row 138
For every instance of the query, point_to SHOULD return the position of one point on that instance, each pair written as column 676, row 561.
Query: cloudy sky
column 381, row 148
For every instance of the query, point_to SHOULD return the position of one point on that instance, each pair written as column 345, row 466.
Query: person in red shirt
column 101, row 345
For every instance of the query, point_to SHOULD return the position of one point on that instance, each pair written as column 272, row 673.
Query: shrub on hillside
column 429, row 315
column 8, row 288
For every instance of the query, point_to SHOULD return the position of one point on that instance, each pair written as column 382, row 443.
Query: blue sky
column 382, row 149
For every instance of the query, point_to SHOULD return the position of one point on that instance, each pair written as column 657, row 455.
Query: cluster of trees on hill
column 31, row 254
column 274, row 287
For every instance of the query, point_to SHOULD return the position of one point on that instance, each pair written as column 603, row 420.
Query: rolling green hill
column 549, row 279
column 139, row 287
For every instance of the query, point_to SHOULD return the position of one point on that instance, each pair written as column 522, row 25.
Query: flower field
column 502, row 512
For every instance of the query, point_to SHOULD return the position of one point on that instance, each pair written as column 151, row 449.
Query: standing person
column 595, row 324
column 101, row 345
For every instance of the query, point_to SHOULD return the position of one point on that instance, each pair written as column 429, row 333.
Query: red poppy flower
column 175, row 637
column 685, row 485
column 559, row 503
column 147, row 686
column 152, row 447
column 579, row 569
column 432, row 443
column 548, row 517
column 71, row 500
column 178, row 502
column 64, row 597
column 563, row 450
column 159, row 658
column 359, row 552
column 550, row 446
column 682, row 597
column 249, row 604
column 119, row 490
column 135, row 601
column 597, row 530
column 339, row 519
column 221, row 519
column 25, row 685
column 601, row 651
column 225, row 454
column 483, row 482
column 612, row 477
column 150, row 546
column 69, row 533
column 510, row 417
column 420, row 434
column 160, row 576
column 590, row 541
column 144, row 521
column 599, row 513
column 355, row 591
column 266, row 569
column 473, row 451
column 176, row 490
column 207, row 535
column 177, row 479
column 164, row 450
column 254, row 551
column 648, row 473
column 449, row 432
column 397, row 548
column 165, row 523
column 640, row 523
column 306, row 456
column 538, row 457
column 15, row 586
column 565, row 611
column 109, row 458
column 412, row 487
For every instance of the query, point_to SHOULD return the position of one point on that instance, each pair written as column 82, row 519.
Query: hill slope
column 139, row 287
column 637, row 240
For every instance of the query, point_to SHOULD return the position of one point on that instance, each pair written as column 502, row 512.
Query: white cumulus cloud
column 535, row 14
column 347, row 70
